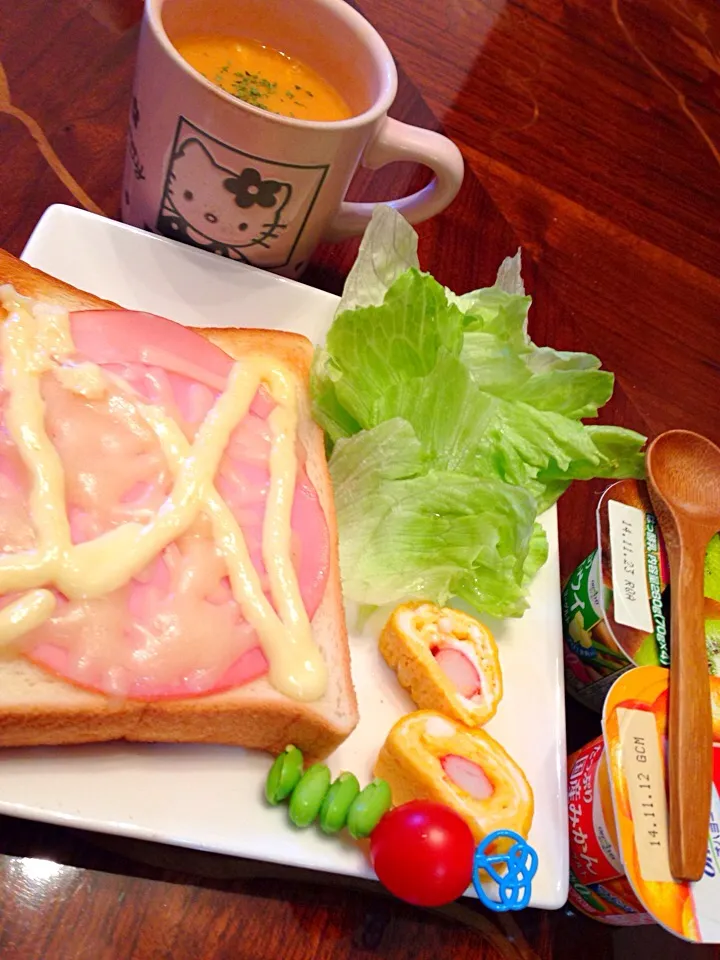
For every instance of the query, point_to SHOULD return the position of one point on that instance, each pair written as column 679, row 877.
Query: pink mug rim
column 368, row 34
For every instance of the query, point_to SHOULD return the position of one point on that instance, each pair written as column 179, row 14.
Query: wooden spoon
column 684, row 481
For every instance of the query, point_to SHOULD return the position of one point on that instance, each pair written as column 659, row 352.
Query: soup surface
column 264, row 77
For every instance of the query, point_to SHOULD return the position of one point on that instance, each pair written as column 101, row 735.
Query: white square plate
column 209, row 798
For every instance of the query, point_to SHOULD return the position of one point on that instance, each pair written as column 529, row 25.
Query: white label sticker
column 627, row 546
column 643, row 768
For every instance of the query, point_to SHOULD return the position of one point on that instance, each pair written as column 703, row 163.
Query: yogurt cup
column 618, row 819
column 616, row 605
column 598, row 885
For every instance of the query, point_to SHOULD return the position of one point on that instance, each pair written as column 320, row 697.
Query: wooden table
column 591, row 134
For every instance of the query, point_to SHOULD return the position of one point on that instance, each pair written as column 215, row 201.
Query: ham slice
column 175, row 630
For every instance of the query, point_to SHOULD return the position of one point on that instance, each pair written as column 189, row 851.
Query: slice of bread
column 38, row 708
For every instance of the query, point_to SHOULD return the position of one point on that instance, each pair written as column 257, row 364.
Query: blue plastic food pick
column 515, row 883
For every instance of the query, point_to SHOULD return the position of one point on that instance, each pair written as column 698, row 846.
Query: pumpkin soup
column 263, row 77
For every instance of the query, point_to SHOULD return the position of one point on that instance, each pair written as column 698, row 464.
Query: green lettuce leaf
column 493, row 364
column 328, row 412
column 517, row 375
column 495, row 311
column 452, row 430
column 504, row 361
column 571, row 393
column 620, row 455
column 372, row 348
column 388, row 248
column 499, row 592
column 461, row 427
column 413, row 532
column 509, row 275
column 446, row 410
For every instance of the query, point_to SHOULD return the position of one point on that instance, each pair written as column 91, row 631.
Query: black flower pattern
column 250, row 189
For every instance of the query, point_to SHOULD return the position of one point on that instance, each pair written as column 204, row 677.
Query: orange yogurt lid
column 635, row 731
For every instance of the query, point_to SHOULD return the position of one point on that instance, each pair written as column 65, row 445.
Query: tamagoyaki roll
column 445, row 659
column 427, row 756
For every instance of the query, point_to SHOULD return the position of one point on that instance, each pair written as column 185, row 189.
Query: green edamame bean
column 284, row 775
column 337, row 802
column 308, row 795
column 368, row 808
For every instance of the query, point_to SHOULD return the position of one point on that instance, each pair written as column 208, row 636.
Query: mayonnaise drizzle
column 36, row 339
column 24, row 614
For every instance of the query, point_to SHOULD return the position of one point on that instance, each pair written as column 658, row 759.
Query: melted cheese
column 85, row 379
column 36, row 339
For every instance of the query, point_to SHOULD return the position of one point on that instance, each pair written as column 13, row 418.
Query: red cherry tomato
column 423, row 853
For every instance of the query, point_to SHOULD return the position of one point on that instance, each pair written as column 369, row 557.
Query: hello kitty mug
column 215, row 172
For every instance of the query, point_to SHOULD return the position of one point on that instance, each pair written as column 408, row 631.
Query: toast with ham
column 45, row 696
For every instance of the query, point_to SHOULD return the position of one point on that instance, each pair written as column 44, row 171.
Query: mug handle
column 401, row 141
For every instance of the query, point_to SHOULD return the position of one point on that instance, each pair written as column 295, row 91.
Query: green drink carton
column 616, row 605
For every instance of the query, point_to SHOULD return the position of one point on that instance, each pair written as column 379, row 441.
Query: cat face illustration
column 219, row 209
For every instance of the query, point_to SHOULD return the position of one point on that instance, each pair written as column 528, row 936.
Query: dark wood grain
column 591, row 133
